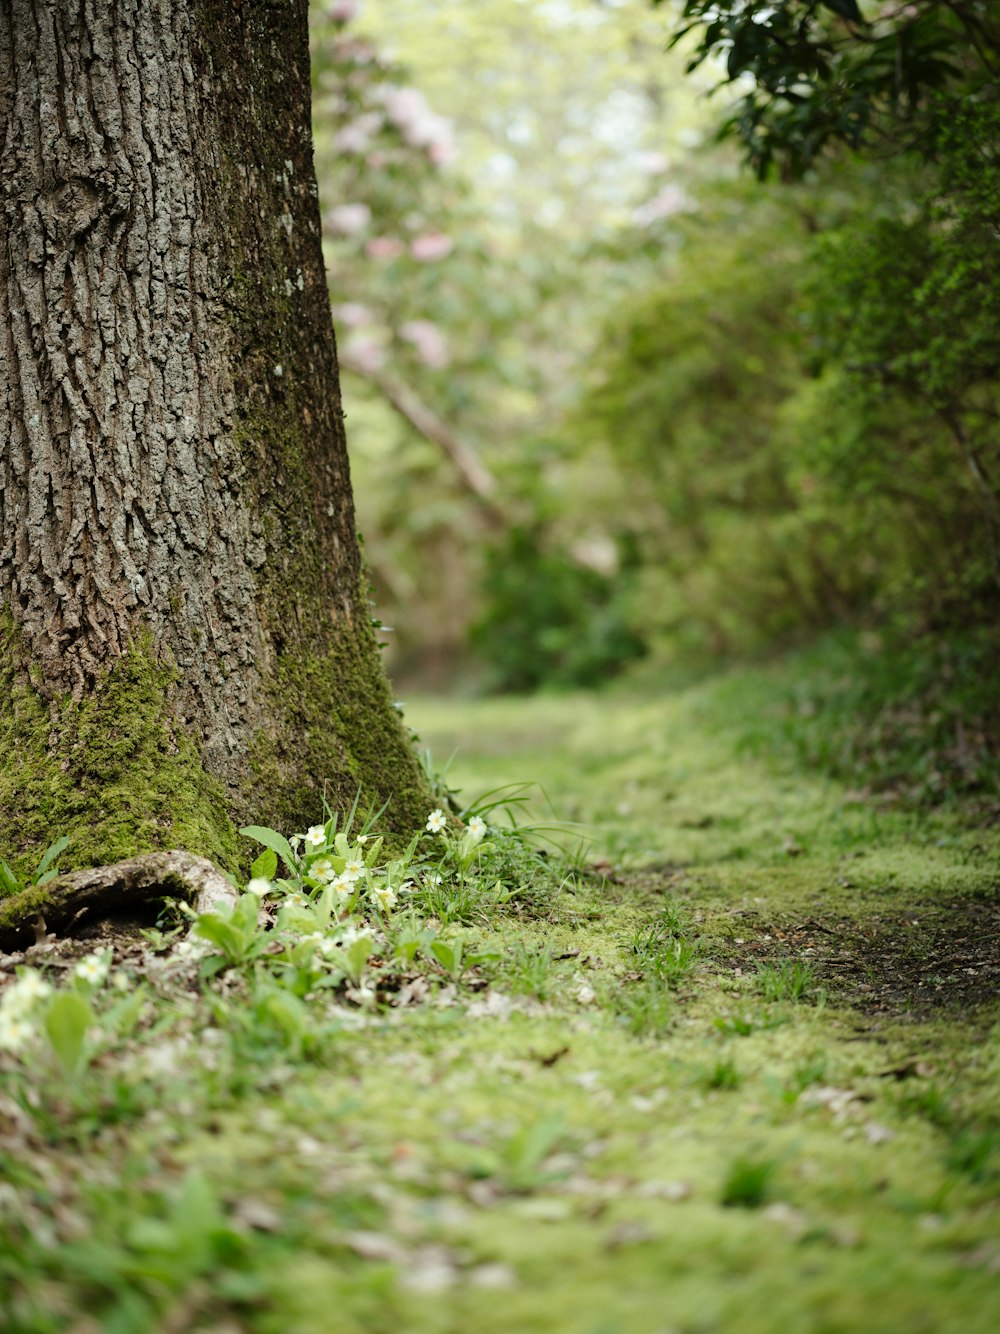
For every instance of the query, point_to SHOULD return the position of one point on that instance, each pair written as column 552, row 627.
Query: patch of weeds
column 646, row 1008
column 723, row 1075
column 523, row 1155
column 674, row 962
column 972, row 1144
column 659, row 948
column 811, row 1071
column 975, row 1152
column 463, row 903
column 742, row 1025
column 928, row 1101
column 648, row 939
column 747, row 1184
column 46, row 870
column 529, row 969
column 792, row 980
column 455, row 957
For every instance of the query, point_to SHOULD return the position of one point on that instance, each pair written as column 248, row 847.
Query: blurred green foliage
column 714, row 414
column 548, row 620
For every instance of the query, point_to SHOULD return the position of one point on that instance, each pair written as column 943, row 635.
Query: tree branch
column 472, row 472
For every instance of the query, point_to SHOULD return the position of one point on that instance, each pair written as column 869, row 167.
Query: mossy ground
column 634, row 1121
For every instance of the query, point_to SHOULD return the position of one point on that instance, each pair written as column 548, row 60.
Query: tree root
column 124, row 890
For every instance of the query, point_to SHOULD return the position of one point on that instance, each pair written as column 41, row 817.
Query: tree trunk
column 185, row 640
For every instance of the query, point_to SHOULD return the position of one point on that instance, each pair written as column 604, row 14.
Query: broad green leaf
column 356, row 956
column 66, row 1022
column 229, row 939
column 271, row 839
column 448, row 956
column 265, row 867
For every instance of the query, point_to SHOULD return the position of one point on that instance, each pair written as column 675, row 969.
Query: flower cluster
column 461, row 849
column 23, row 1004
column 19, row 1009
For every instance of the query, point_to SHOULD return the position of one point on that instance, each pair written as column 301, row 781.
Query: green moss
column 112, row 771
column 20, row 907
column 347, row 738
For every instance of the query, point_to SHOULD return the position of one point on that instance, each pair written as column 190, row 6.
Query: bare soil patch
column 913, row 964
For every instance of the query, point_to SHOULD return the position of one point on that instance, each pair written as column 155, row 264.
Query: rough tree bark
column 185, row 640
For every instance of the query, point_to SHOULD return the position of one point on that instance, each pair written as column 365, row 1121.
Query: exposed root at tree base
column 71, row 904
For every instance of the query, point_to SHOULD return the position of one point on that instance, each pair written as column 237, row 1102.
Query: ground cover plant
column 730, row 1065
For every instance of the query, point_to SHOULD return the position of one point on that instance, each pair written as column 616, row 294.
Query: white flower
column 432, row 880
column 343, row 885
column 323, row 870
column 362, row 838
column 93, row 969
column 29, row 988
column 477, row 827
column 354, row 868
column 14, row 1032
column 316, row 836
column 259, row 886
column 436, row 822
column 296, row 901
column 385, row 897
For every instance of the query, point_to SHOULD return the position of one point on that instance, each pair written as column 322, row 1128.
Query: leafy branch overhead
column 833, row 72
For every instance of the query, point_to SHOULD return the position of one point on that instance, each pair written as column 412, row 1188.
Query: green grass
column 645, row 1094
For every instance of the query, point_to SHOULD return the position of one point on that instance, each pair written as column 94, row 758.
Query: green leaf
column 228, row 938
column 271, row 839
column 123, row 1017
column 66, row 1022
column 265, row 867
column 9, row 882
column 448, row 956
column 49, row 856
column 356, row 956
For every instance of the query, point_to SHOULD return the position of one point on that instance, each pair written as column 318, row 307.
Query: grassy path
column 742, row 1076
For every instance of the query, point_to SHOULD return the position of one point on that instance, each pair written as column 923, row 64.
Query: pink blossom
column 442, row 152
column 653, row 164
column 404, row 105
column 431, row 246
column 363, row 355
column 671, row 199
column 430, row 343
column 352, row 314
column 356, row 136
column 384, row 247
column 342, row 11
column 349, row 218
